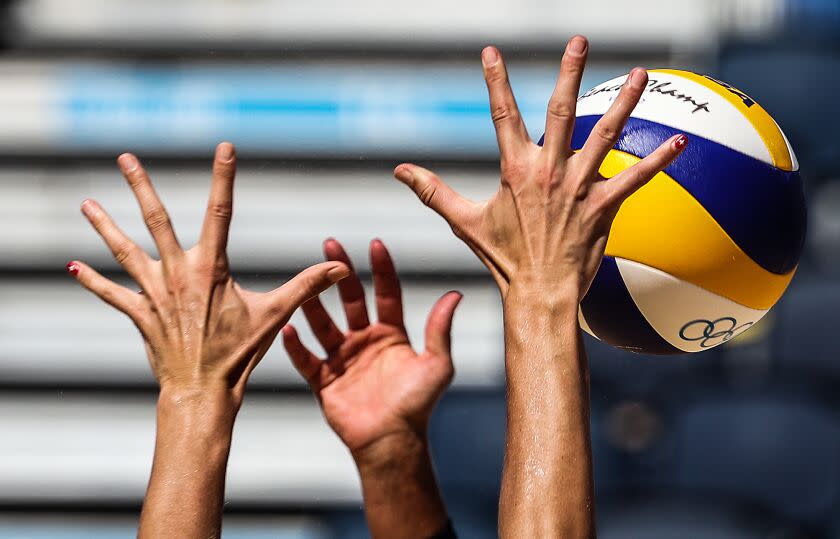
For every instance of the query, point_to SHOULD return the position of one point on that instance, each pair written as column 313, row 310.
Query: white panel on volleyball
column 687, row 316
column 692, row 108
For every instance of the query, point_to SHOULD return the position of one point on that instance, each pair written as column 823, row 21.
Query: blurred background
column 322, row 99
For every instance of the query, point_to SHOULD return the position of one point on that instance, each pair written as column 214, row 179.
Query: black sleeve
column 448, row 532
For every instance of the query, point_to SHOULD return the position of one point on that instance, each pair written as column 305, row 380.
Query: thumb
column 432, row 191
column 304, row 286
column 439, row 325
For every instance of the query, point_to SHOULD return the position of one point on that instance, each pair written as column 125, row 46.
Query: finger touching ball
column 709, row 245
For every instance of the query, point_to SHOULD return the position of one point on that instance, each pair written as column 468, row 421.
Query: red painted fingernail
column 73, row 268
column 680, row 142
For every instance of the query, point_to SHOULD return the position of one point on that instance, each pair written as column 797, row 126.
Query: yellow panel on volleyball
column 664, row 227
column 763, row 123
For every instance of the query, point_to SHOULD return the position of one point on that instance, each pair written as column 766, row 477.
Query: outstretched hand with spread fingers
column 373, row 384
column 201, row 329
column 548, row 222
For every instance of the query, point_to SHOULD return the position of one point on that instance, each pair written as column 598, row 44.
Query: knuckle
column 572, row 66
column 156, row 219
column 427, row 191
column 560, row 110
column 607, row 133
column 503, row 112
column 124, row 252
column 226, row 168
column 219, row 268
column 578, row 188
column 220, row 211
column 176, row 282
column 306, row 285
column 496, row 75
column 107, row 294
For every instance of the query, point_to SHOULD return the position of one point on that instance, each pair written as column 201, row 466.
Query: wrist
column 197, row 413
column 391, row 451
column 535, row 296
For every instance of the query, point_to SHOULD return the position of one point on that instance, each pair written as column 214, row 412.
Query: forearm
column 547, row 488
column 186, row 489
column 402, row 498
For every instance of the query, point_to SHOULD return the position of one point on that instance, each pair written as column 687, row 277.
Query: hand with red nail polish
column 204, row 334
column 377, row 393
column 542, row 235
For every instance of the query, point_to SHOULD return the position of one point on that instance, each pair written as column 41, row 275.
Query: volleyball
column 704, row 250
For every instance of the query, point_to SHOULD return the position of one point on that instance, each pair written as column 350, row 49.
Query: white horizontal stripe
column 54, row 331
column 657, row 22
column 68, row 448
column 281, row 215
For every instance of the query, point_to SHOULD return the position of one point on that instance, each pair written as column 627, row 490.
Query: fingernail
column 403, row 174
column 73, row 268
column 489, row 56
column 577, row 45
column 680, row 142
column 128, row 162
column 225, row 151
column 637, row 77
column 338, row 273
column 88, row 208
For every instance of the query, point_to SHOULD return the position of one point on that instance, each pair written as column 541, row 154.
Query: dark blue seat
column 675, row 516
column 807, row 324
column 777, row 450
column 620, row 373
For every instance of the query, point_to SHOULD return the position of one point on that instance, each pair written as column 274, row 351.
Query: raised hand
column 542, row 235
column 377, row 393
column 204, row 334
column 551, row 215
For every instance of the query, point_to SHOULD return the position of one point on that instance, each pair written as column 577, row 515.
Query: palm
column 373, row 383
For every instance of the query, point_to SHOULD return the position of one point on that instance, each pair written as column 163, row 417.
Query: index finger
column 608, row 128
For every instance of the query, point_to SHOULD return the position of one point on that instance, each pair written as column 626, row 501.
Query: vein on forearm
column 186, row 488
column 547, row 481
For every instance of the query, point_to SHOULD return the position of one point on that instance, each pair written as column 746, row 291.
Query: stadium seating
column 322, row 100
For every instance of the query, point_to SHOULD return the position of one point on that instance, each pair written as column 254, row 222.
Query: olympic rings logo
column 712, row 332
